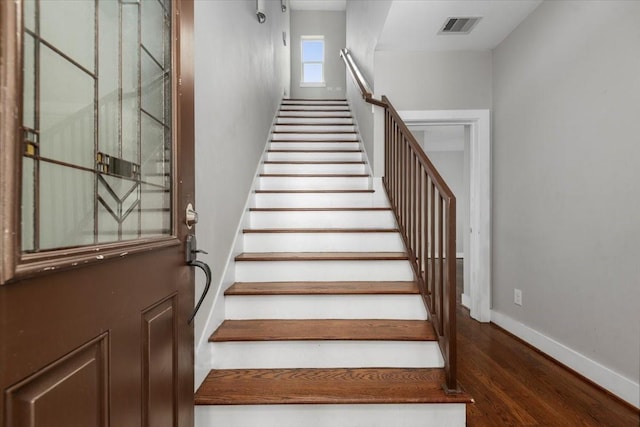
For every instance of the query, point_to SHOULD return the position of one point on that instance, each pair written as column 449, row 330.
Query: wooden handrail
column 425, row 209
column 359, row 80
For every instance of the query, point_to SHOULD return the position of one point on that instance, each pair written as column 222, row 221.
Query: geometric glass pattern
column 96, row 116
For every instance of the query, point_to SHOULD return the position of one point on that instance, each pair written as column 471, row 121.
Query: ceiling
column 318, row 4
column 413, row 25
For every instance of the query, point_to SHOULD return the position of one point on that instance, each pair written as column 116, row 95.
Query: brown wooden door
column 96, row 172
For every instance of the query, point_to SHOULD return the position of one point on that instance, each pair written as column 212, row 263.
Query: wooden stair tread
column 328, row 209
column 314, row 132
column 320, row 230
column 323, row 288
column 314, row 124
column 313, row 191
column 329, row 150
column 325, row 386
column 321, row 256
column 307, row 162
column 295, row 116
column 314, row 175
column 324, row 329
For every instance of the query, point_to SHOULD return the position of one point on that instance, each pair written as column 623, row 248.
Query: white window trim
column 323, row 83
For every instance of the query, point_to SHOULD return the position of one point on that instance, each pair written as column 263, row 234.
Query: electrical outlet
column 517, row 297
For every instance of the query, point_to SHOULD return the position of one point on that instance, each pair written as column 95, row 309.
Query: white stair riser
column 331, row 114
column 327, row 128
column 326, row 354
column 319, row 200
column 322, row 219
column 245, row 307
column 283, row 271
column 293, row 145
column 318, row 107
column 363, row 415
column 328, row 156
column 315, row 136
column 315, row 120
column 314, row 183
column 323, row 242
column 313, row 168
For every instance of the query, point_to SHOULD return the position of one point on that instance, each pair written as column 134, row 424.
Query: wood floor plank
column 321, row 256
column 324, row 329
column 322, row 288
column 514, row 384
column 325, row 386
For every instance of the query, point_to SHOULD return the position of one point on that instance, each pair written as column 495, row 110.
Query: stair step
column 354, row 167
column 344, row 219
column 303, row 128
column 314, row 136
column 315, row 155
column 325, row 386
column 322, row 288
column 303, row 121
column 314, row 175
column 289, row 108
column 324, row 329
column 322, row 240
column 322, row 256
column 304, row 101
column 301, row 182
column 315, row 114
column 315, row 145
column 313, row 191
column 317, row 199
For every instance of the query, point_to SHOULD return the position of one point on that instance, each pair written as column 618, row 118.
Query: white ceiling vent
column 459, row 25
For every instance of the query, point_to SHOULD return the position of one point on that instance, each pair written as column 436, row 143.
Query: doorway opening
column 453, row 139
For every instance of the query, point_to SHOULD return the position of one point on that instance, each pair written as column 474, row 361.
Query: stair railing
column 425, row 209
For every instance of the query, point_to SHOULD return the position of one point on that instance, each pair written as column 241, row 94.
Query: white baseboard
column 466, row 301
column 625, row 388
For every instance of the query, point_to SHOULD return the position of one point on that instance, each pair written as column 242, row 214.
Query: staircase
column 325, row 325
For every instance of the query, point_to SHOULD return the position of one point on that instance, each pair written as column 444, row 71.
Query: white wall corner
column 466, row 301
column 203, row 355
column 363, row 147
column 621, row 386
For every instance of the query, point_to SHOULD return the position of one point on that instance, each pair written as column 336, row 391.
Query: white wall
column 331, row 25
column 430, row 81
column 445, row 146
column 566, row 224
column 241, row 72
column 365, row 19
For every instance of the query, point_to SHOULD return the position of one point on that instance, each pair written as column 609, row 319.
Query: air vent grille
column 459, row 25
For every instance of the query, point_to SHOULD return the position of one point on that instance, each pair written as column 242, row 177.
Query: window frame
column 304, row 83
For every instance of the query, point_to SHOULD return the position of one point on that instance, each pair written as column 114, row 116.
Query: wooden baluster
column 449, row 326
column 441, row 260
column 432, row 239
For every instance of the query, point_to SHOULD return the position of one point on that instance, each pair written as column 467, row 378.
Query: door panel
column 96, row 335
column 77, row 382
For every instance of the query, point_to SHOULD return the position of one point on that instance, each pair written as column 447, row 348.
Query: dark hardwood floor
column 514, row 385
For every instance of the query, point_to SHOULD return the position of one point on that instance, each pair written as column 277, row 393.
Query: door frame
column 479, row 257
